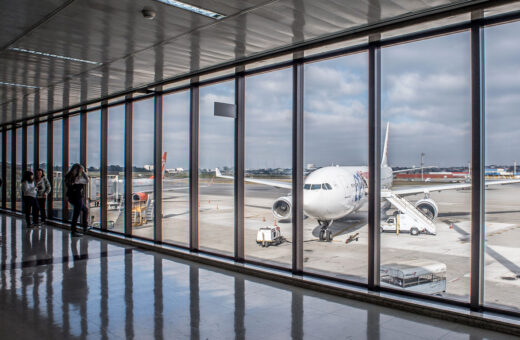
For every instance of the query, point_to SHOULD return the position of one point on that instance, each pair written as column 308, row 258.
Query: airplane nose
column 311, row 204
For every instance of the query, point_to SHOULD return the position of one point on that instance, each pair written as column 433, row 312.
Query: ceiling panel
column 120, row 50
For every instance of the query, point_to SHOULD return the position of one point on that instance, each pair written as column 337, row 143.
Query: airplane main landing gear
column 325, row 234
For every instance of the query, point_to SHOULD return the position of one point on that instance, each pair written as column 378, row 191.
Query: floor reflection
column 54, row 286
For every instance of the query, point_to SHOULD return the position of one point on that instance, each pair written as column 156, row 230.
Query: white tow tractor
column 269, row 236
column 401, row 222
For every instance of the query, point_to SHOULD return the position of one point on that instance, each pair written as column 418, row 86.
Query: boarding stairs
column 149, row 210
column 423, row 222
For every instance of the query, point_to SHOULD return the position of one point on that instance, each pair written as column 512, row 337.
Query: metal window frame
column 128, row 165
column 374, row 164
column 239, row 189
column 83, row 146
column 158, row 168
column 194, row 167
column 103, row 167
column 24, row 147
column 297, row 166
column 477, row 167
column 36, row 144
column 4, row 167
column 50, row 165
column 64, row 166
column 13, row 168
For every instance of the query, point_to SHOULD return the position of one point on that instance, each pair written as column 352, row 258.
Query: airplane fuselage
column 334, row 192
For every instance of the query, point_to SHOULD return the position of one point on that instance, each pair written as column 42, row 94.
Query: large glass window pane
column 176, row 183
column 268, row 153
column 142, row 168
column 57, row 182
column 216, row 150
column 116, row 168
column 30, row 148
column 43, row 146
column 502, row 250
column 425, row 246
column 18, row 193
column 74, row 131
column 74, row 150
column 9, row 162
column 336, row 167
column 93, row 166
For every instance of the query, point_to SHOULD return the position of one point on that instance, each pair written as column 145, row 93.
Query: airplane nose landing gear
column 325, row 234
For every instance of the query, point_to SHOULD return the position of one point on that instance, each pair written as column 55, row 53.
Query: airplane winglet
column 384, row 161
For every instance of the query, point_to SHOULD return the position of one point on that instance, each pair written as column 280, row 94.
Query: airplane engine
column 428, row 207
column 282, row 208
column 140, row 196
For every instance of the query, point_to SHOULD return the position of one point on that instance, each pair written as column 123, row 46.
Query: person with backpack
column 29, row 199
column 44, row 188
column 75, row 182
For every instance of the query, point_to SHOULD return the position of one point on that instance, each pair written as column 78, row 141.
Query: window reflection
column 57, row 181
column 93, row 167
column 143, row 168
column 336, row 167
column 176, row 149
column 502, row 260
column 216, row 150
column 425, row 240
column 116, row 168
column 268, row 157
column 18, row 174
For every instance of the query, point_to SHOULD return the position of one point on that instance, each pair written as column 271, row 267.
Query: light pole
column 422, row 166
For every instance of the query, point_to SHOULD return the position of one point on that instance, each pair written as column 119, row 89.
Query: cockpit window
column 306, row 187
column 329, row 187
column 315, row 186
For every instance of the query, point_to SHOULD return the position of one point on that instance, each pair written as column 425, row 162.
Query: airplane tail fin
column 163, row 165
column 384, row 161
column 218, row 173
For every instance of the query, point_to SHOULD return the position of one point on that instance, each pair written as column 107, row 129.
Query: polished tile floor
column 55, row 287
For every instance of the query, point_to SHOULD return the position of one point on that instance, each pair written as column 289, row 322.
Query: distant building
column 148, row 167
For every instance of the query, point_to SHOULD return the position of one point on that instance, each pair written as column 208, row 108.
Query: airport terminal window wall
column 143, row 168
column 502, row 250
column 216, row 150
column 57, row 180
column 426, row 100
column 93, row 167
column 336, row 166
column 116, row 169
column 18, row 173
column 176, row 153
column 42, row 145
column 426, row 104
column 268, row 157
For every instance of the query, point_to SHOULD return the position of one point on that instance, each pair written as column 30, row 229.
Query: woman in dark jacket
column 75, row 180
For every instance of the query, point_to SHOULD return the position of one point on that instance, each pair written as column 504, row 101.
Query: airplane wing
column 275, row 184
column 414, row 169
column 442, row 187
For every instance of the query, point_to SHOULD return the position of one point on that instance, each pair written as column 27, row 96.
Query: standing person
column 75, row 181
column 29, row 198
column 44, row 188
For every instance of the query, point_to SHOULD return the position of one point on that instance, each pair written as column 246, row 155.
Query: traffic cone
column 263, row 219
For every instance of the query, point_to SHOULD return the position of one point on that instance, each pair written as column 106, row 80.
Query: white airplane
column 333, row 192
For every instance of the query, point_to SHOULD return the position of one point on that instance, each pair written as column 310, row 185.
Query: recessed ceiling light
column 54, row 56
column 19, row 85
column 193, row 9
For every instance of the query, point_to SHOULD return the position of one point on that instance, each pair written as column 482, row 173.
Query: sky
column 425, row 97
